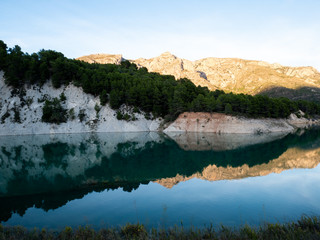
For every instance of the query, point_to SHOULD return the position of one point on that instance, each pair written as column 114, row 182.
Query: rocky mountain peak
column 167, row 55
column 102, row 58
column 228, row 74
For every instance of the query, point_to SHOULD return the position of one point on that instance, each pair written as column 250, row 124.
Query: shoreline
column 305, row 227
column 189, row 122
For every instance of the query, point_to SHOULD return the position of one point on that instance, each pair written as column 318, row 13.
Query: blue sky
column 283, row 31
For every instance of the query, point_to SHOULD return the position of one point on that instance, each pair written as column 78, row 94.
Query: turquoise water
column 111, row 179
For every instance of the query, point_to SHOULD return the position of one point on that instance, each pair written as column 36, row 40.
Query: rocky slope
column 292, row 158
column 30, row 107
column 228, row 74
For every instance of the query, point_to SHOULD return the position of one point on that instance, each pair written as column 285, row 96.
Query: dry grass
column 305, row 228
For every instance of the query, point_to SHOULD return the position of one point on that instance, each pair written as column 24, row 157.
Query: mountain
column 102, row 58
column 230, row 74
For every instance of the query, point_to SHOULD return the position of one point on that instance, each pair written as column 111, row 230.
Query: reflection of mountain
column 55, row 170
column 292, row 158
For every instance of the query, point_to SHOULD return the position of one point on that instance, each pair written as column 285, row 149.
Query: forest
column 161, row 95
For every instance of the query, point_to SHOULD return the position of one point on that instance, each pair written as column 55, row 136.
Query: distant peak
column 167, row 54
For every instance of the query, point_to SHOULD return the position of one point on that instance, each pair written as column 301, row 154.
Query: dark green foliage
column 16, row 112
column 53, row 112
column 3, row 55
column 62, row 97
column 103, row 97
column 97, row 108
column 71, row 115
column 119, row 115
column 125, row 116
column 82, row 115
column 5, row 116
column 161, row 95
column 228, row 109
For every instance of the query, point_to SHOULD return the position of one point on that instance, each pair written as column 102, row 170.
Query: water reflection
column 48, row 171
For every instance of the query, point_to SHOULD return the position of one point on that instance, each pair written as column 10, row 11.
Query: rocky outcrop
column 292, row 158
column 222, row 123
column 29, row 107
column 102, row 58
column 228, row 74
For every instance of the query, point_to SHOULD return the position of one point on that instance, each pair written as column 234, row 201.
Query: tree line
column 161, row 95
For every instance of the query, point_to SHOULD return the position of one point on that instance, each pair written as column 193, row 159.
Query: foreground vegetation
column 161, row 95
column 305, row 228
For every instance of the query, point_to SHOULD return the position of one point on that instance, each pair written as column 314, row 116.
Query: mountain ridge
column 228, row 74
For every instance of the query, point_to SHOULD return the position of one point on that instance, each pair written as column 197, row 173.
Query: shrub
column 63, row 97
column 134, row 231
column 97, row 108
column 119, row 115
column 71, row 114
column 53, row 112
column 82, row 115
column 16, row 112
column 5, row 116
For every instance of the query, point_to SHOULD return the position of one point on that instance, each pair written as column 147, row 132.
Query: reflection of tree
column 130, row 165
column 55, row 154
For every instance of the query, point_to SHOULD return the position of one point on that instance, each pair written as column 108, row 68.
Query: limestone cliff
column 30, row 104
column 228, row 74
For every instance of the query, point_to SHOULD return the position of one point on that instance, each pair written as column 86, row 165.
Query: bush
column 82, row 115
column 63, row 97
column 53, row 112
column 119, row 115
column 16, row 112
column 5, row 116
column 97, row 109
column 71, row 114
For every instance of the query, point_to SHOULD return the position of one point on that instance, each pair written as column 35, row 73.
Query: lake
column 110, row 179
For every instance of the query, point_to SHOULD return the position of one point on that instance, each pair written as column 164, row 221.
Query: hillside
column 229, row 74
column 50, row 85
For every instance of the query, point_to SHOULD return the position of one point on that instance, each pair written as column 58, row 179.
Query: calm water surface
column 111, row 179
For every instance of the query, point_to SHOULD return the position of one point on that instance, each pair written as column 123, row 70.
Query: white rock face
column 31, row 114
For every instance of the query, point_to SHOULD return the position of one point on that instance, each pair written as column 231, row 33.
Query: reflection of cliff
column 199, row 141
column 58, row 169
column 292, row 158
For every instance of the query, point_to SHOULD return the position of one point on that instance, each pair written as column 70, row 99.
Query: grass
column 305, row 228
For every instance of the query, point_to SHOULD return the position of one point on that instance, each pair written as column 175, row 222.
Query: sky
column 281, row 31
